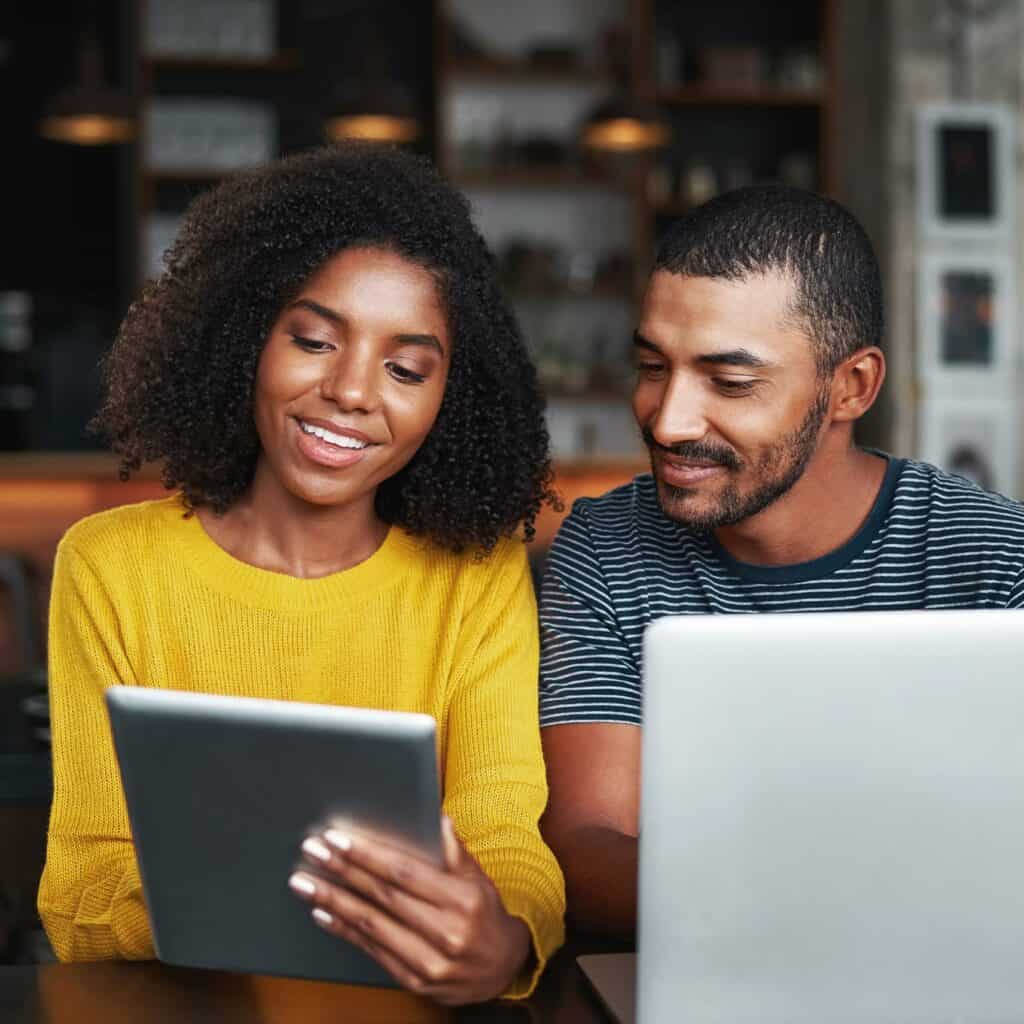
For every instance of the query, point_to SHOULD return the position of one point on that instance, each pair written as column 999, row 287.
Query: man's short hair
column 820, row 244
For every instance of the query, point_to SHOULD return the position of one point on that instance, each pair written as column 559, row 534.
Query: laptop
column 832, row 821
column 221, row 791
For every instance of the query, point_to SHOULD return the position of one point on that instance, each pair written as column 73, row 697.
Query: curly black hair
column 178, row 381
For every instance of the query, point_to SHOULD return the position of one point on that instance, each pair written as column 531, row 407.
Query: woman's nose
column 351, row 382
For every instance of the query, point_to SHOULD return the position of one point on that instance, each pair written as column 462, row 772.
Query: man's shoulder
column 636, row 499
column 615, row 534
column 955, row 503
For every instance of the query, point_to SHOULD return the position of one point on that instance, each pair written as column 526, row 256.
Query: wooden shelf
column 724, row 96
column 526, row 72
column 281, row 62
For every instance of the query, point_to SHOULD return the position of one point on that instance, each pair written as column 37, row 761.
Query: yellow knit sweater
column 143, row 596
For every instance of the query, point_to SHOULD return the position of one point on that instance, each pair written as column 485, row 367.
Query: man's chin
column 686, row 506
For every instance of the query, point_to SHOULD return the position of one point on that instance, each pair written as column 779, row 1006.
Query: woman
column 338, row 393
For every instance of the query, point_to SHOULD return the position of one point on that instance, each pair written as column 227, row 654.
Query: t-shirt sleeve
column 588, row 673
column 1016, row 599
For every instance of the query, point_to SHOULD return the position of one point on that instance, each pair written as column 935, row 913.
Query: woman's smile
column 333, row 447
column 351, row 379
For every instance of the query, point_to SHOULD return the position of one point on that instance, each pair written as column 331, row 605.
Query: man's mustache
column 700, row 451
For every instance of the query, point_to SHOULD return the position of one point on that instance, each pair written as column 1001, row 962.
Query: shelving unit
column 257, row 80
column 773, row 120
column 704, row 96
column 525, row 71
column 509, row 118
column 287, row 60
column 768, row 125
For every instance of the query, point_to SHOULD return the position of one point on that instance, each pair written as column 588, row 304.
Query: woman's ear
column 856, row 383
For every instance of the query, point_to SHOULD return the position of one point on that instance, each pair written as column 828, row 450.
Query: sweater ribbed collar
column 278, row 591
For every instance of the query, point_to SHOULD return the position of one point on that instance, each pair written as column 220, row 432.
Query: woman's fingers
column 350, row 854
column 434, row 924
column 398, row 970
column 406, row 955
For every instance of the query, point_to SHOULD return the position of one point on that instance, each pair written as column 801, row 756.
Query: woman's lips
column 325, row 454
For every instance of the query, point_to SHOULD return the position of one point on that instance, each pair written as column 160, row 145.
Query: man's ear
column 856, row 383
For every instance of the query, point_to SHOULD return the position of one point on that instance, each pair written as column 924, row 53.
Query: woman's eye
column 311, row 344
column 735, row 387
column 404, row 374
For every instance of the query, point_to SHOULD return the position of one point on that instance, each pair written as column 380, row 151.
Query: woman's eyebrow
column 426, row 340
column 315, row 307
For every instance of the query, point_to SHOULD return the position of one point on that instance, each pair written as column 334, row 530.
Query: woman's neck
column 270, row 528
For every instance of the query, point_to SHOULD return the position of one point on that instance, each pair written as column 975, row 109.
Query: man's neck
column 818, row 515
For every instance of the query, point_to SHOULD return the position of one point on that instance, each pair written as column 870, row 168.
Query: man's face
column 728, row 395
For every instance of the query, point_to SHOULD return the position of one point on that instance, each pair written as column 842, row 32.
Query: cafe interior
column 578, row 130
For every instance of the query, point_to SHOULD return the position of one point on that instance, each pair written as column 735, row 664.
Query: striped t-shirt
column 932, row 540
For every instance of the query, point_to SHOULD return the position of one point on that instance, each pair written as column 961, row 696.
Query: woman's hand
column 441, row 933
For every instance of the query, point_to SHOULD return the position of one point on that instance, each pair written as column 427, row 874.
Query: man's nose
column 680, row 416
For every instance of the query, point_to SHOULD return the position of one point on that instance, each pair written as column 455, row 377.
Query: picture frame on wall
column 967, row 322
column 965, row 158
column 972, row 438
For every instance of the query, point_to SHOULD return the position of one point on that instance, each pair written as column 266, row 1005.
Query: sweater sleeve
column 495, row 785
column 90, row 897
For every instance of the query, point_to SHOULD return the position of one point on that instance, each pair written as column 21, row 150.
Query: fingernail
column 338, row 840
column 316, row 849
column 322, row 917
column 300, row 883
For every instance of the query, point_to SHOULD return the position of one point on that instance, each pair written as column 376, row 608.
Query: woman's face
column 351, row 377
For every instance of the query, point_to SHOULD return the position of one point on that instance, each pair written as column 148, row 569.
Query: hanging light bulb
column 623, row 124
column 89, row 113
column 376, row 110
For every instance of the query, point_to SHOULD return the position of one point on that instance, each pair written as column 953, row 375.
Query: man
column 757, row 352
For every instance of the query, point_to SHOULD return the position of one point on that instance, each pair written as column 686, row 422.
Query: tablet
column 221, row 792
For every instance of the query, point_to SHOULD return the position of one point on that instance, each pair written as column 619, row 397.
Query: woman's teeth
column 341, row 440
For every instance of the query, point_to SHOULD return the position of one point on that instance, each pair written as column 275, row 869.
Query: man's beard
column 777, row 470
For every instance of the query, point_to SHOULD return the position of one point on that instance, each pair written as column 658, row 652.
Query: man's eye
column 650, row 368
column 735, row 387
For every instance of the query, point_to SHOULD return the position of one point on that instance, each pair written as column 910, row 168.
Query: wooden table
column 153, row 993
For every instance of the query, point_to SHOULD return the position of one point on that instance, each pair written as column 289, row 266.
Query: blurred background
column 578, row 128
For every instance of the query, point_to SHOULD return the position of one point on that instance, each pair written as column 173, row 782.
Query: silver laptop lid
column 832, row 823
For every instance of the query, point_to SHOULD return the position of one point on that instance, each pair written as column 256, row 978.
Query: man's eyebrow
column 641, row 342
column 727, row 357
column 733, row 357
column 428, row 340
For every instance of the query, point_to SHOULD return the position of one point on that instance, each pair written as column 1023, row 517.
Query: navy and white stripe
column 932, row 540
